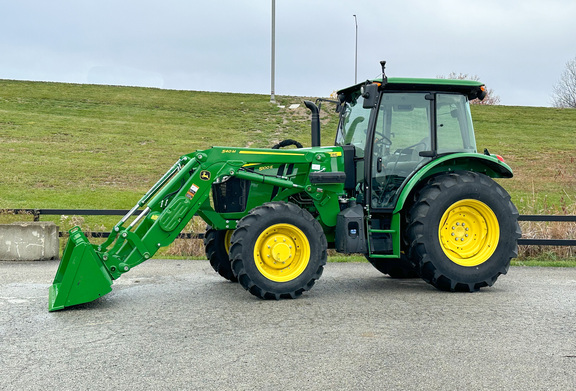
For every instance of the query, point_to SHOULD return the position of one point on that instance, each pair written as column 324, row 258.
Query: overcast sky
column 519, row 48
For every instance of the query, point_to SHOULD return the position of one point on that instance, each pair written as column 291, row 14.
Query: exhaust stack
column 315, row 122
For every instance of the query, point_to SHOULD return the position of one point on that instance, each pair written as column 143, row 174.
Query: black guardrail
column 547, row 242
column 122, row 212
column 87, row 212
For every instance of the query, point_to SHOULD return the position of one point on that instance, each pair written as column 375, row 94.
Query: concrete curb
column 30, row 241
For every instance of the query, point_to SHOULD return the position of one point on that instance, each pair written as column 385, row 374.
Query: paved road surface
column 175, row 325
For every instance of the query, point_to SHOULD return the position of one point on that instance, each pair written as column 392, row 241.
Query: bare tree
column 490, row 99
column 564, row 94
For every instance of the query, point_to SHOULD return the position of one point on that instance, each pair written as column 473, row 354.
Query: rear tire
column 463, row 231
column 395, row 268
column 216, row 246
column 278, row 251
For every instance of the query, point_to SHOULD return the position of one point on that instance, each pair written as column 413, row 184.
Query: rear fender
column 489, row 165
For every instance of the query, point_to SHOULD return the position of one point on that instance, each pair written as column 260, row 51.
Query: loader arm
column 86, row 271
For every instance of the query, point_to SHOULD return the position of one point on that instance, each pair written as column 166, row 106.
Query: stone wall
column 31, row 241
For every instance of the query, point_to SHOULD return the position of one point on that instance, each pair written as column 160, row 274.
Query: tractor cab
column 404, row 127
column 403, row 132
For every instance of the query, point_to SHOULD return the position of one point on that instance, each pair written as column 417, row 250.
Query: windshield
column 353, row 125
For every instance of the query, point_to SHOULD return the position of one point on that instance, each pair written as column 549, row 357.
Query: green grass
column 570, row 262
column 547, row 259
column 86, row 146
column 102, row 147
column 540, row 146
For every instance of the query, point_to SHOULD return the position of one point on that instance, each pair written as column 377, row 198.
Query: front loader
column 403, row 185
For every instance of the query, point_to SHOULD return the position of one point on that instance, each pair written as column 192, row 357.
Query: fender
column 489, row 165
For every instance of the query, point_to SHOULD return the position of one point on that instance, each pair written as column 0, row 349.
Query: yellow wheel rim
column 227, row 240
column 469, row 232
column 282, row 252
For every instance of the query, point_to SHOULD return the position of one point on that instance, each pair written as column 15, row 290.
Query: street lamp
column 356, row 52
column 272, row 97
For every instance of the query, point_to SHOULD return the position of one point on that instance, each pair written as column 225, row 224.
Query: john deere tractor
column 404, row 185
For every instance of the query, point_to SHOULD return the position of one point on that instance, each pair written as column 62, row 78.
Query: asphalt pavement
column 177, row 325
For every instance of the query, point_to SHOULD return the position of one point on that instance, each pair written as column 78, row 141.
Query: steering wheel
column 381, row 142
column 287, row 143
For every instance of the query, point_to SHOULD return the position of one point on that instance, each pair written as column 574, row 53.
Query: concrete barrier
column 31, row 241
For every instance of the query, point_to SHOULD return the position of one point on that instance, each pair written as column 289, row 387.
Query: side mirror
column 479, row 94
column 340, row 104
column 370, row 95
column 482, row 93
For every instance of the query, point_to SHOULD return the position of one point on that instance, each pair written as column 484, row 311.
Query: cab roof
column 416, row 84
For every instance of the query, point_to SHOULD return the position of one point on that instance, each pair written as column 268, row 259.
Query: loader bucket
column 81, row 277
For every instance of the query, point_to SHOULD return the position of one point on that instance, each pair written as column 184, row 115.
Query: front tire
column 463, row 231
column 278, row 251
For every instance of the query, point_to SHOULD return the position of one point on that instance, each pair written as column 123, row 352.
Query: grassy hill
column 88, row 146
column 540, row 146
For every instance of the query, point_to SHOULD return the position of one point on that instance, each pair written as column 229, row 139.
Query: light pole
column 272, row 98
column 356, row 52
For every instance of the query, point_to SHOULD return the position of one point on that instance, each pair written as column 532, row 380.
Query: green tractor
column 403, row 185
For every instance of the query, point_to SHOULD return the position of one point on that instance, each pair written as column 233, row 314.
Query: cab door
column 402, row 131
